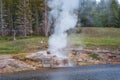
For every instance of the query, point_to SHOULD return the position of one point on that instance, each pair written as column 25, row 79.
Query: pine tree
column 37, row 15
column 2, row 24
column 24, row 17
column 115, row 13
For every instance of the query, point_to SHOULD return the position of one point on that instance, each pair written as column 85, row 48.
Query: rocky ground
column 8, row 64
column 90, row 57
column 15, row 63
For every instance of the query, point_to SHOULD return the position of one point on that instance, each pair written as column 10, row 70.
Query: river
column 96, row 72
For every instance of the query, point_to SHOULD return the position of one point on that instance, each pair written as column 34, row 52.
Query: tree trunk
column 14, row 35
column 46, row 19
column 2, row 20
column 25, row 20
column 37, row 21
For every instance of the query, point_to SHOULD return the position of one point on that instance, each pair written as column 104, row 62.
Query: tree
column 24, row 17
column 115, row 14
column 46, row 18
column 2, row 17
column 10, row 6
column 37, row 8
column 86, row 12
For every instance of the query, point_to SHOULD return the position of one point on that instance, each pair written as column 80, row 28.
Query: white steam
column 64, row 14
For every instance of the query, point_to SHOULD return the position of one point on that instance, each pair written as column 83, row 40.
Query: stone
column 5, row 57
column 8, row 64
column 48, row 59
column 37, row 56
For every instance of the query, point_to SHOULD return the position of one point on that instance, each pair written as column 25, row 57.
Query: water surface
column 97, row 72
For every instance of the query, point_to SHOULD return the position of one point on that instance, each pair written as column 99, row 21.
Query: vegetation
column 94, row 56
column 29, row 17
column 31, row 44
column 93, row 38
column 24, row 19
column 90, row 37
column 106, row 13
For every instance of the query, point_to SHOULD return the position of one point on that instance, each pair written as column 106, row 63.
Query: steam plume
column 64, row 14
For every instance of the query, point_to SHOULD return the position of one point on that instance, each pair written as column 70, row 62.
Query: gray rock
column 5, row 57
column 37, row 56
column 8, row 64
column 48, row 60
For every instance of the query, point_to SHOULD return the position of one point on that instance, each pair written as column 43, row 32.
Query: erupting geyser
column 63, row 13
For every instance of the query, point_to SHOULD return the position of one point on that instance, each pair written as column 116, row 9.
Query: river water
column 97, row 72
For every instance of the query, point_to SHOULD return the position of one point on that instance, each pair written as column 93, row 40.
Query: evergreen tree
column 24, row 17
column 37, row 15
column 115, row 14
column 2, row 20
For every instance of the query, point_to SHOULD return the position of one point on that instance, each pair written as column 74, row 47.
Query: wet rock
column 38, row 56
column 42, row 57
column 8, row 64
column 48, row 59
column 2, row 57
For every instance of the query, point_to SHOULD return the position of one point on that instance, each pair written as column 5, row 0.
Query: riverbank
column 90, row 46
column 78, row 57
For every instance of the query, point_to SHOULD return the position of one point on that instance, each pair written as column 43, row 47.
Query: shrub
column 94, row 56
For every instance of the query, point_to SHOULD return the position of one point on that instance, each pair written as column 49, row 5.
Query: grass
column 24, row 45
column 105, row 38
column 90, row 37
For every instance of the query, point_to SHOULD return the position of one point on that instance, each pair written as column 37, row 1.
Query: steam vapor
column 65, row 18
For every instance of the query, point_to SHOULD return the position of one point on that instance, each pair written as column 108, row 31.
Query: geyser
column 63, row 16
column 63, row 13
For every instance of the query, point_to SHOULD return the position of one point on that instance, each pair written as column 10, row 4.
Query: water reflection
column 104, row 72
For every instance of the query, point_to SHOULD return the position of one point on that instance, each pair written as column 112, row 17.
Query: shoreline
column 54, row 69
column 51, row 69
column 20, row 63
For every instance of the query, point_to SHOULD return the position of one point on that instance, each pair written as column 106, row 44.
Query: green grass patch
column 105, row 38
column 94, row 56
column 101, row 41
column 24, row 45
column 92, row 38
